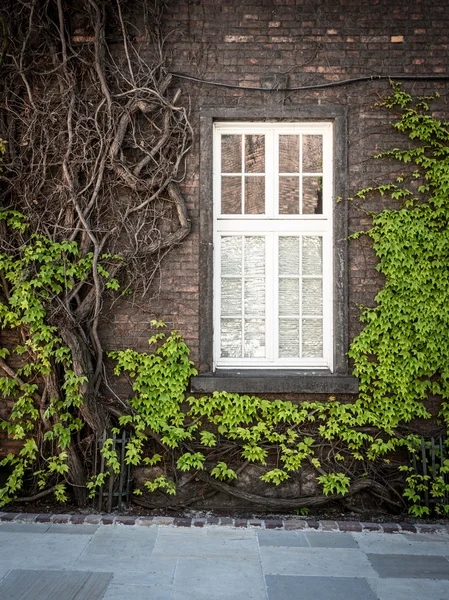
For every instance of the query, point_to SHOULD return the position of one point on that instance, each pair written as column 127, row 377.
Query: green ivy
column 401, row 358
column 37, row 273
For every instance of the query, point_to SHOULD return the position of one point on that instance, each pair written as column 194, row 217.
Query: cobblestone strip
column 287, row 524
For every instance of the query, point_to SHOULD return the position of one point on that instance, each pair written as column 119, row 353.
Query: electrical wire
column 317, row 86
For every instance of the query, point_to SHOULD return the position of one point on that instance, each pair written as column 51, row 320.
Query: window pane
column 312, row 195
column 289, row 154
column 254, row 195
column 312, row 153
column 254, row 256
column 288, row 195
column 312, row 255
column 231, row 338
column 312, row 338
column 231, row 153
column 288, row 255
column 288, row 338
column 231, row 255
column 231, row 297
column 231, row 195
column 312, row 297
column 289, row 297
column 254, row 297
column 254, row 338
column 254, row 153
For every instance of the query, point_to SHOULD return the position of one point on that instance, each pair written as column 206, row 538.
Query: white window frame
column 272, row 225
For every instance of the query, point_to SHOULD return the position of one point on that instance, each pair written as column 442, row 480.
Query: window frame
column 282, row 380
column 271, row 225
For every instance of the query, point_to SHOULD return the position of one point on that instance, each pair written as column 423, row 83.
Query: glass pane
column 231, row 195
column 288, row 195
column 312, row 195
column 254, row 338
column 289, row 154
column 231, row 255
column 254, row 297
column 231, row 153
column 254, row 256
column 312, row 153
column 231, row 338
column 254, row 195
column 289, row 297
column 254, row 153
column 312, row 297
column 312, row 338
column 312, row 255
column 288, row 338
column 231, row 297
column 288, row 255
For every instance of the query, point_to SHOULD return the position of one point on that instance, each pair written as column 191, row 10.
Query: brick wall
column 302, row 42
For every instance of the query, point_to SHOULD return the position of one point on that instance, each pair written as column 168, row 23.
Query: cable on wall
column 318, row 86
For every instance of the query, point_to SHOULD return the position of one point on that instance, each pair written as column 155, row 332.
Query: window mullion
column 243, row 173
column 243, row 295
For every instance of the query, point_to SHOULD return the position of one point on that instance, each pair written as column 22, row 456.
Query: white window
column 273, row 245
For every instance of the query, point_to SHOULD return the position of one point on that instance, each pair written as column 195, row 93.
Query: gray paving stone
column 25, row 527
column 207, row 546
column 409, row 566
column 138, row 592
column 316, row 562
column 227, row 533
column 117, row 548
column 54, row 585
column 410, row 589
column 287, row 587
column 209, row 579
column 331, row 540
column 158, row 571
column 379, row 543
column 3, row 573
column 68, row 529
column 426, row 537
column 282, row 538
column 46, row 551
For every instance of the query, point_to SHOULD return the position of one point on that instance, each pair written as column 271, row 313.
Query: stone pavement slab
column 316, row 562
column 159, row 571
column 282, row 538
column 331, row 540
column 410, row 589
column 199, row 544
column 138, row 592
column 218, row 579
column 379, row 543
column 25, row 527
column 288, row 587
column 410, row 567
column 67, row 529
column 117, row 548
column 40, row 550
column 54, row 585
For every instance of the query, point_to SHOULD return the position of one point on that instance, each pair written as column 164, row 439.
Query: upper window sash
column 272, row 175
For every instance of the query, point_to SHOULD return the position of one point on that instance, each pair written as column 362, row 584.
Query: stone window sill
column 274, row 382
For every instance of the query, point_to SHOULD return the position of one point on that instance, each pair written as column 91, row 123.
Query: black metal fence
column 117, row 487
column 428, row 461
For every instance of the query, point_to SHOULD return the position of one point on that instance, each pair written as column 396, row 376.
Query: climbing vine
column 96, row 144
column 400, row 358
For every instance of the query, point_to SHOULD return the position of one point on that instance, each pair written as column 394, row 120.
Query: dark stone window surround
column 259, row 381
